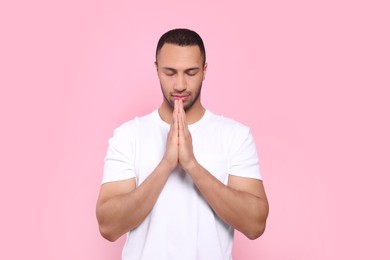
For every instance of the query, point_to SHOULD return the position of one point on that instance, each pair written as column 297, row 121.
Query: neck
column 193, row 115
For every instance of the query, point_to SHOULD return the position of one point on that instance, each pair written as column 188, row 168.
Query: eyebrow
column 175, row 70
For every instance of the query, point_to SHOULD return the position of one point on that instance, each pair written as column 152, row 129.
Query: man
column 181, row 179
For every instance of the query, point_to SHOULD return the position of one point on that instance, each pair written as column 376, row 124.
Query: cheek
column 196, row 83
column 165, row 82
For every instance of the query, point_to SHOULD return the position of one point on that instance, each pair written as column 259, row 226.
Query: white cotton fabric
column 181, row 224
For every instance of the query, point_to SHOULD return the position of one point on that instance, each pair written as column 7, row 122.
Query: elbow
column 107, row 233
column 255, row 232
column 257, row 228
column 106, row 227
column 259, row 223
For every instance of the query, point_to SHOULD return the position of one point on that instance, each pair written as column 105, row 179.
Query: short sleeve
column 119, row 162
column 244, row 160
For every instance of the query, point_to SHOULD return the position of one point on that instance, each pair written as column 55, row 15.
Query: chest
column 209, row 148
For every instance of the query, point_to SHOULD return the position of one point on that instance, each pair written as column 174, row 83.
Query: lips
column 180, row 97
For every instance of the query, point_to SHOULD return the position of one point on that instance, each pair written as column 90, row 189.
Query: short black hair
column 182, row 37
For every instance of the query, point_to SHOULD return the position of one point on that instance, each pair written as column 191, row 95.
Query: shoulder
column 127, row 133
column 131, row 126
column 227, row 125
column 126, row 128
column 227, row 131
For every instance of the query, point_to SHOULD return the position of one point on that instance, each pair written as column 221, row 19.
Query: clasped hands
column 179, row 150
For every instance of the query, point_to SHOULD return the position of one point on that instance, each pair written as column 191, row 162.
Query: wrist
column 191, row 167
column 167, row 166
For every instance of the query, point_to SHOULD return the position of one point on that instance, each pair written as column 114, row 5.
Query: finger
column 176, row 124
column 180, row 105
column 180, row 108
column 180, row 121
column 176, row 108
column 175, row 116
column 184, row 118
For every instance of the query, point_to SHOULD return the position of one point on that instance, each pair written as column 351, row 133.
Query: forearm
column 126, row 211
column 242, row 210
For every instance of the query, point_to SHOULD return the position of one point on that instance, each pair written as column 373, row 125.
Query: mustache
column 176, row 93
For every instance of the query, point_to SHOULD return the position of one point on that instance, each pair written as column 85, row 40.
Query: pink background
column 311, row 78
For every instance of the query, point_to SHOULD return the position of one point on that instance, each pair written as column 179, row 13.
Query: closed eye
column 192, row 72
column 169, row 72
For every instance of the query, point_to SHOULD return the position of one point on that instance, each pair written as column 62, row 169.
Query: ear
column 204, row 70
column 156, row 65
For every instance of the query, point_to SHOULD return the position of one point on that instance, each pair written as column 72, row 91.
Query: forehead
column 172, row 54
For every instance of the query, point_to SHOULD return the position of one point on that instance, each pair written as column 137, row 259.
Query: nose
column 180, row 83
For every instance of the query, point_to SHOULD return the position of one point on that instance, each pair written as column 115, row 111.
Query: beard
column 195, row 96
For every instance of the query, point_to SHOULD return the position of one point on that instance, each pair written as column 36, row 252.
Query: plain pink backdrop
column 311, row 78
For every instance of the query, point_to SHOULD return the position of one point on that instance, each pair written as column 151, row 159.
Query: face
column 181, row 73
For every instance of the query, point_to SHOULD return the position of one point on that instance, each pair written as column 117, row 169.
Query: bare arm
column 242, row 203
column 122, row 206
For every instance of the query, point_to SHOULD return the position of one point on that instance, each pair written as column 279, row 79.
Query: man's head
column 182, row 37
column 181, row 67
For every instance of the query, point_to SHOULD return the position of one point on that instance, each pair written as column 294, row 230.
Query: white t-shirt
column 181, row 224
